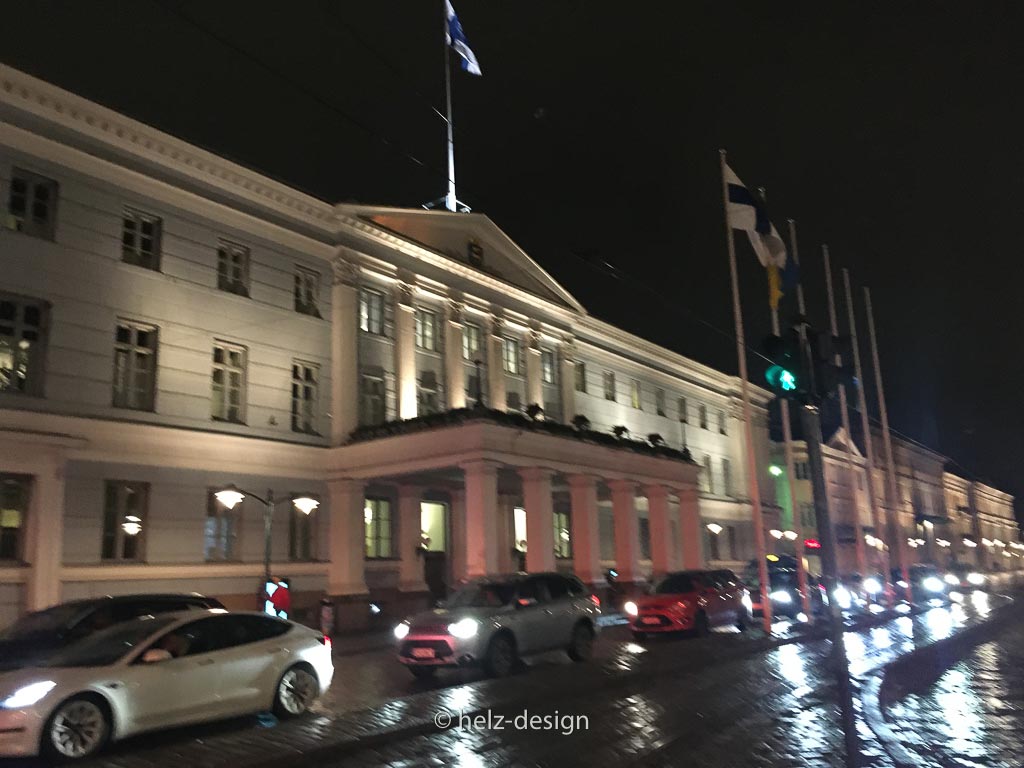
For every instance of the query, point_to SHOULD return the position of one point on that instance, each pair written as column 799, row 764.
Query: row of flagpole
column 746, row 212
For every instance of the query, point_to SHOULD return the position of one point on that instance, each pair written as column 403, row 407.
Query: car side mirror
column 156, row 655
column 525, row 602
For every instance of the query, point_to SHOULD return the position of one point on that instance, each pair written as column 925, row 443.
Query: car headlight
column 401, row 630
column 949, row 578
column 975, row 578
column 781, row 596
column 872, row 586
column 843, row 597
column 28, row 695
column 630, row 608
column 464, row 628
column 933, row 584
column 747, row 602
column 902, row 584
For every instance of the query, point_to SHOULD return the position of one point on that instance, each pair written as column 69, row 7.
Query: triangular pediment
column 841, row 441
column 471, row 239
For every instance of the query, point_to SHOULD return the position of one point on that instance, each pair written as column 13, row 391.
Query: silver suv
column 493, row 621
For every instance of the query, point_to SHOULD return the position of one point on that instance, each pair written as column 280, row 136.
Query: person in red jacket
column 281, row 599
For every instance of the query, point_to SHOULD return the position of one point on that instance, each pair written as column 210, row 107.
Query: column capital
column 454, row 306
column 568, row 349
column 480, row 466
column 620, row 485
column 342, row 484
column 582, row 480
column 655, row 490
column 535, row 473
column 497, row 325
column 345, row 267
column 403, row 293
column 533, row 340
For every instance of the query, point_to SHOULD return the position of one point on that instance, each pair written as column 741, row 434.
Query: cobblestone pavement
column 972, row 715
column 725, row 700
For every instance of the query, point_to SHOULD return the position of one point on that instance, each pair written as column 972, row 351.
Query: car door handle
column 206, row 662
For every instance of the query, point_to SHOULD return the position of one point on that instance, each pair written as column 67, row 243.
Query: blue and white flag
column 747, row 212
column 456, row 38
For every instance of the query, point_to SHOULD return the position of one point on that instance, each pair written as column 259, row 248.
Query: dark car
column 784, row 588
column 35, row 637
column 928, row 584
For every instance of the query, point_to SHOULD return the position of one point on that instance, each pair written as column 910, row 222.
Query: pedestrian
column 281, row 598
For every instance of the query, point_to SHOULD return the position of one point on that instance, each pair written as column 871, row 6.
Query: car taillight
column 325, row 640
column 595, row 600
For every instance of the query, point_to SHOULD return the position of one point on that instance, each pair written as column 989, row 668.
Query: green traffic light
column 781, row 378
column 788, row 381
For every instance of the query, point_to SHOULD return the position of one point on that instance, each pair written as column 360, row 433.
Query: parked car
column 33, row 638
column 161, row 671
column 927, row 583
column 964, row 576
column 783, row 589
column 691, row 601
column 494, row 621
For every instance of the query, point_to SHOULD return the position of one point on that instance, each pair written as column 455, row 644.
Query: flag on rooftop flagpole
column 456, row 38
column 747, row 212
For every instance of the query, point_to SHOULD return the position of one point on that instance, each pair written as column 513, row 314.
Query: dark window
column 307, row 291
column 644, row 526
column 14, row 500
column 140, row 239
column 576, row 586
column 558, row 587
column 533, row 588
column 32, row 204
column 675, row 584
column 135, row 354
column 233, row 268
column 22, row 344
column 263, row 627
column 124, row 520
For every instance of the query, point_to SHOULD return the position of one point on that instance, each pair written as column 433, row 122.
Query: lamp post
column 231, row 496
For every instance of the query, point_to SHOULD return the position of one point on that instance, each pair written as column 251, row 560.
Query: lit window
column 563, row 537
column 135, row 350
column 581, row 377
column 634, row 393
column 371, row 312
column 233, row 268
column 307, row 291
column 426, row 330
column 32, row 204
column 547, row 366
column 221, row 532
column 124, row 520
column 373, row 409
column 683, row 415
column 659, row 402
column 22, row 347
column 228, row 383
column 609, row 386
column 302, row 534
column 140, row 239
column 305, row 394
column 511, row 356
column 472, row 343
column 14, row 501
column 377, row 519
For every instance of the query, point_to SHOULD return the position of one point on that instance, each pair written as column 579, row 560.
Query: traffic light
column 829, row 376
column 784, row 373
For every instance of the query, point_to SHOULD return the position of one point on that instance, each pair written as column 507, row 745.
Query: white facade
column 171, row 323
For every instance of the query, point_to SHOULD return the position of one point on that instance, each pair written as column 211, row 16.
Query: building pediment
column 842, row 441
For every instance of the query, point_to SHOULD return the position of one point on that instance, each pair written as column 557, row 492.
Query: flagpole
column 869, row 449
column 451, row 202
column 741, row 351
column 858, row 529
column 787, row 443
column 894, row 514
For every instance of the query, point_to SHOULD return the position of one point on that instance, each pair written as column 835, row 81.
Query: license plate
column 650, row 620
column 423, row 653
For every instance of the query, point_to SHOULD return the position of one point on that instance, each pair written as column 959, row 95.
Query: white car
column 156, row 672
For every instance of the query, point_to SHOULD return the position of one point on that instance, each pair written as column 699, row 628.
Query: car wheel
column 423, row 673
column 296, row 692
column 501, row 656
column 700, row 625
column 582, row 646
column 78, row 728
column 742, row 620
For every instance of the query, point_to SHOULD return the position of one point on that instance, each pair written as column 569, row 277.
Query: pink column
column 457, row 540
column 657, row 515
column 481, row 517
column 627, row 530
column 586, row 541
column 345, row 572
column 540, row 525
column 410, row 574
column 689, row 527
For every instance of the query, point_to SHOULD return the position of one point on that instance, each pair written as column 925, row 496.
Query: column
column 44, row 536
column 410, row 573
column 454, row 369
column 534, row 388
column 690, row 527
column 496, row 365
column 481, row 478
column 586, row 533
column 567, row 380
column 405, row 351
column 345, row 572
column 627, row 530
column 504, row 528
column 344, row 349
column 540, row 523
column 657, row 517
column 457, row 539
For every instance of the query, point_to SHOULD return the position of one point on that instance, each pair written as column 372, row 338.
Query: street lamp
column 231, row 497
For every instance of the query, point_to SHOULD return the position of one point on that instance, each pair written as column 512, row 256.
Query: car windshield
column 482, row 595
column 783, row 579
column 52, row 621
column 674, row 584
column 108, row 645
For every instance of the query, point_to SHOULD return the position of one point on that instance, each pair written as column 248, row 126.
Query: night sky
column 892, row 134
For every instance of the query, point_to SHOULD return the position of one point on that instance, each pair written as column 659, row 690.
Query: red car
column 692, row 601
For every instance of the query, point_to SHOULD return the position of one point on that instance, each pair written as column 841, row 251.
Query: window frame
column 230, row 538
column 562, row 520
column 365, row 398
column 423, row 391
column 511, row 363
column 722, row 422
column 702, row 413
column 580, row 377
column 125, row 399
column 659, row 402
column 306, row 292
column 371, row 311
column 33, row 357
column 310, row 523
column 28, row 223
column 120, row 515
column 548, row 367
column 227, row 369
column 372, row 546
column 636, row 394
column 227, row 264
column 312, row 428
column 473, row 343
column 425, row 320
column 25, row 484
column 133, row 253
column 608, row 379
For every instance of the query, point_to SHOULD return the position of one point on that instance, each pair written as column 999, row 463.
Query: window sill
column 237, row 423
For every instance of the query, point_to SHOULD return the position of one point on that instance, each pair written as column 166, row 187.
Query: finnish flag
column 747, row 212
column 456, row 38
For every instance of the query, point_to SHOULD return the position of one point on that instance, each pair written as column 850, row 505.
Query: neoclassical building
column 172, row 323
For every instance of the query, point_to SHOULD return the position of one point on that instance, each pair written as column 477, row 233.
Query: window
column 707, row 479
column 433, row 526
column 124, row 519
column 713, row 551
column 140, row 239
column 547, row 366
column 373, row 408
column 220, row 537
column 800, row 469
column 233, row 268
column 563, row 539
column 472, row 343
column 307, row 291
column 305, row 394
column 644, row 535
column 730, row 538
column 513, row 402
column 609, row 386
column 703, row 413
column 511, row 355
column 726, row 477
column 228, row 383
column 659, row 402
column 371, row 312
column 14, row 498
column 301, row 533
column 807, row 516
column 721, row 422
column 135, row 349
column 427, row 397
column 426, row 330
column 634, row 393
column 32, row 204
column 683, row 415
column 377, row 516
column 581, row 377
column 22, row 333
